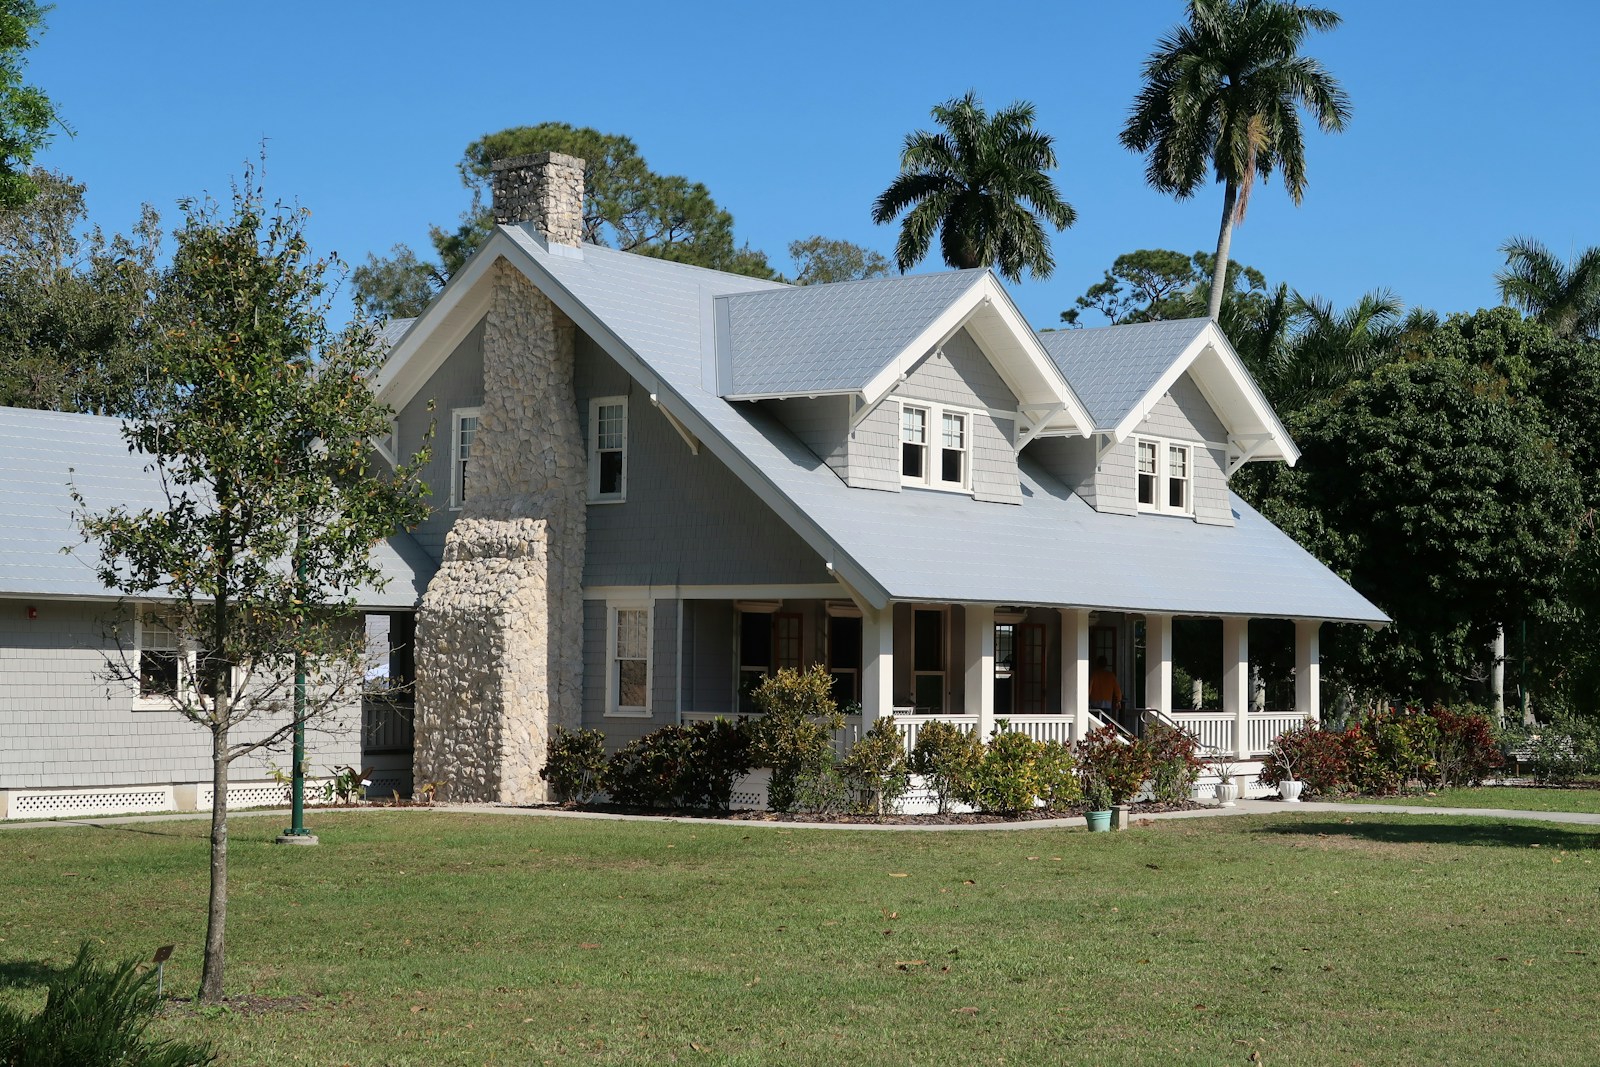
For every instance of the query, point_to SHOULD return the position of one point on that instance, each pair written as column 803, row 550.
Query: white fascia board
column 1039, row 360
column 796, row 394
column 440, row 327
column 936, row 333
column 670, row 401
column 1236, row 380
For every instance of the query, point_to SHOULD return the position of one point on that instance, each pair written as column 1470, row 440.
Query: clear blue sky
column 1474, row 121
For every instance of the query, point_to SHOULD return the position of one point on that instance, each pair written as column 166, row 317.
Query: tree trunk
column 217, row 913
column 1219, row 274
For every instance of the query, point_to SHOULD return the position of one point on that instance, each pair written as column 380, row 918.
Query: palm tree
column 981, row 184
column 1328, row 348
column 1224, row 91
column 1563, row 296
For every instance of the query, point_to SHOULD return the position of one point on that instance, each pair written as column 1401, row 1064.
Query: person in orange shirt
column 1105, row 692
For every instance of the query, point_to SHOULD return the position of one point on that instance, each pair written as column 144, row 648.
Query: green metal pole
column 297, row 834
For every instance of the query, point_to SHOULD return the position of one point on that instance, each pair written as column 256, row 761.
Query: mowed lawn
column 436, row 938
column 1516, row 798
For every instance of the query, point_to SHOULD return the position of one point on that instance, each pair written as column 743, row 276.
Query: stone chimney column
column 545, row 189
column 500, row 629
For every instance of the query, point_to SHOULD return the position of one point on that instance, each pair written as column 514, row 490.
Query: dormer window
column 949, row 466
column 1165, row 472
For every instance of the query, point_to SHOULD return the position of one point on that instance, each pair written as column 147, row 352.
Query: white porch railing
column 911, row 725
column 1264, row 727
column 1042, row 727
column 1215, row 728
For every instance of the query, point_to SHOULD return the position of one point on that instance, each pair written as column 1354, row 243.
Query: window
column 1165, row 471
column 949, row 468
column 464, row 428
column 629, row 681
column 170, row 666
column 768, row 642
column 608, row 448
column 844, row 658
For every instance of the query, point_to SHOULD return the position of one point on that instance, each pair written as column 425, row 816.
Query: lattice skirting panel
column 259, row 795
column 59, row 803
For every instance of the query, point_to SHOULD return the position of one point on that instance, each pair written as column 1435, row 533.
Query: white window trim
column 934, row 458
column 188, row 657
column 595, row 496
column 456, row 415
column 613, row 710
column 1163, row 444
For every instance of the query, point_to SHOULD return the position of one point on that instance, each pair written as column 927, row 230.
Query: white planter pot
column 1289, row 790
column 1227, row 794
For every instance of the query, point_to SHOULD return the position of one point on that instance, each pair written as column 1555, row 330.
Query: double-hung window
column 463, row 430
column 172, row 670
column 608, row 449
column 935, row 446
column 629, row 655
column 1165, row 473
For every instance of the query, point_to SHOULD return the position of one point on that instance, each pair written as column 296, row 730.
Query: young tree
column 980, row 184
column 821, row 260
column 260, row 438
column 1224, row 91
column 26, row 114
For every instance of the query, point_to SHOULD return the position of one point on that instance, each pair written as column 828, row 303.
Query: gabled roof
column 860, row 338
column 1121, row 372
column 41, row 552
column 656, row 319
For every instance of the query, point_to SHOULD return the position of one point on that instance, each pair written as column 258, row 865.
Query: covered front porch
column 974, row 665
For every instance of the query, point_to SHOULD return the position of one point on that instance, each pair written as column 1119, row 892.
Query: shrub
column 1317, row 757
column 575, row 765
column 1106, row 757
column 876, row 766
column 692, row 766
column 95, row 1015
column 823, row 791
column 1465, row 751
column 1175, row 762
column 1389, row 749
column 794, row 735
column 1057, row 775
column 945, row 756
column 1562, row 751
column 1006, row 776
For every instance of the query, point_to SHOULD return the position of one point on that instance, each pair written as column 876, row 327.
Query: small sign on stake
column 163, row 954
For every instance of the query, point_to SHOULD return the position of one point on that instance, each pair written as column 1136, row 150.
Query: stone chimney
column 545, row 189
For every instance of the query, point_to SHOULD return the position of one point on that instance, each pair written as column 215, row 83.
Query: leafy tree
column 26, row 114
column 1563, row 296
column 1223, row 92
column 1138, row 286
column 824, row 259
column 72, row 304
column 260, row 440
column 1435, row 487
column 626, row 205
column 981, row 185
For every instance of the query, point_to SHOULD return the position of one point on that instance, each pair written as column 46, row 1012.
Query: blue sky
column 1473, row 120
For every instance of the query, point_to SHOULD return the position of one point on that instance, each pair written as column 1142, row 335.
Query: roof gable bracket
column 1103, row 443
column 387, row 445
column 1030, row 417
column 860, row 409
column 683, row 431
column 1243, row 448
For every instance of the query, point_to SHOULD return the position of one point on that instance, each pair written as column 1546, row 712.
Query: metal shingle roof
column 830, row 338
column 1113, row 367
column 43, row 452
column 923, row 545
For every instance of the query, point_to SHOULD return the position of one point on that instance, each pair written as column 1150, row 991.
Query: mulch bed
column 951, row 819
column 245, row 1004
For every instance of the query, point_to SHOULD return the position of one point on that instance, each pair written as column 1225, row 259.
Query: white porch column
column 1308, row 669
column 1158, row 663
column 877, row 665
column 1075, row 668
column 980, row 666
column 1236, row 681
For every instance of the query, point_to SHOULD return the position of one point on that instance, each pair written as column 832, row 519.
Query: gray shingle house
column 656, row 484
column 666, row 482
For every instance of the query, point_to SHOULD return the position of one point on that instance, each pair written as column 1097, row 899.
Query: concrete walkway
column 1244, row 807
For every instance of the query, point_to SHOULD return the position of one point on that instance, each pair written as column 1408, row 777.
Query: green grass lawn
column 434, row 938
column 1517, row 798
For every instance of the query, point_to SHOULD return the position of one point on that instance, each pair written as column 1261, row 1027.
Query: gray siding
column 962, row 376
column 63, row 724
column 1116, row 482
column 875, row 450
column 687, row 519
column 708, row 667
column 619, row 729
column 1072, row 461
column 458, row 383
column 823, row 424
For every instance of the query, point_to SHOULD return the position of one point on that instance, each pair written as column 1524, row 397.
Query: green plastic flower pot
column 1099, row 821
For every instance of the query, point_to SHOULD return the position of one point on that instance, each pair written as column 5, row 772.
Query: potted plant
column 1097, row 799
column 1289, row 786
column 1227, row 788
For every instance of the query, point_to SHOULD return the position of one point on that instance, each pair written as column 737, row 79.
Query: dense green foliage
column 1223, row 93
column 945, row 756
column 1113, row 768
column 1387, row 751
column 26, row 113
column 689, row 766
column 1563, row 296
column 876, row 766
column 575, row 765
column 794, row 733
column 980, row 184
column 819, row 260
column 96, row 1014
